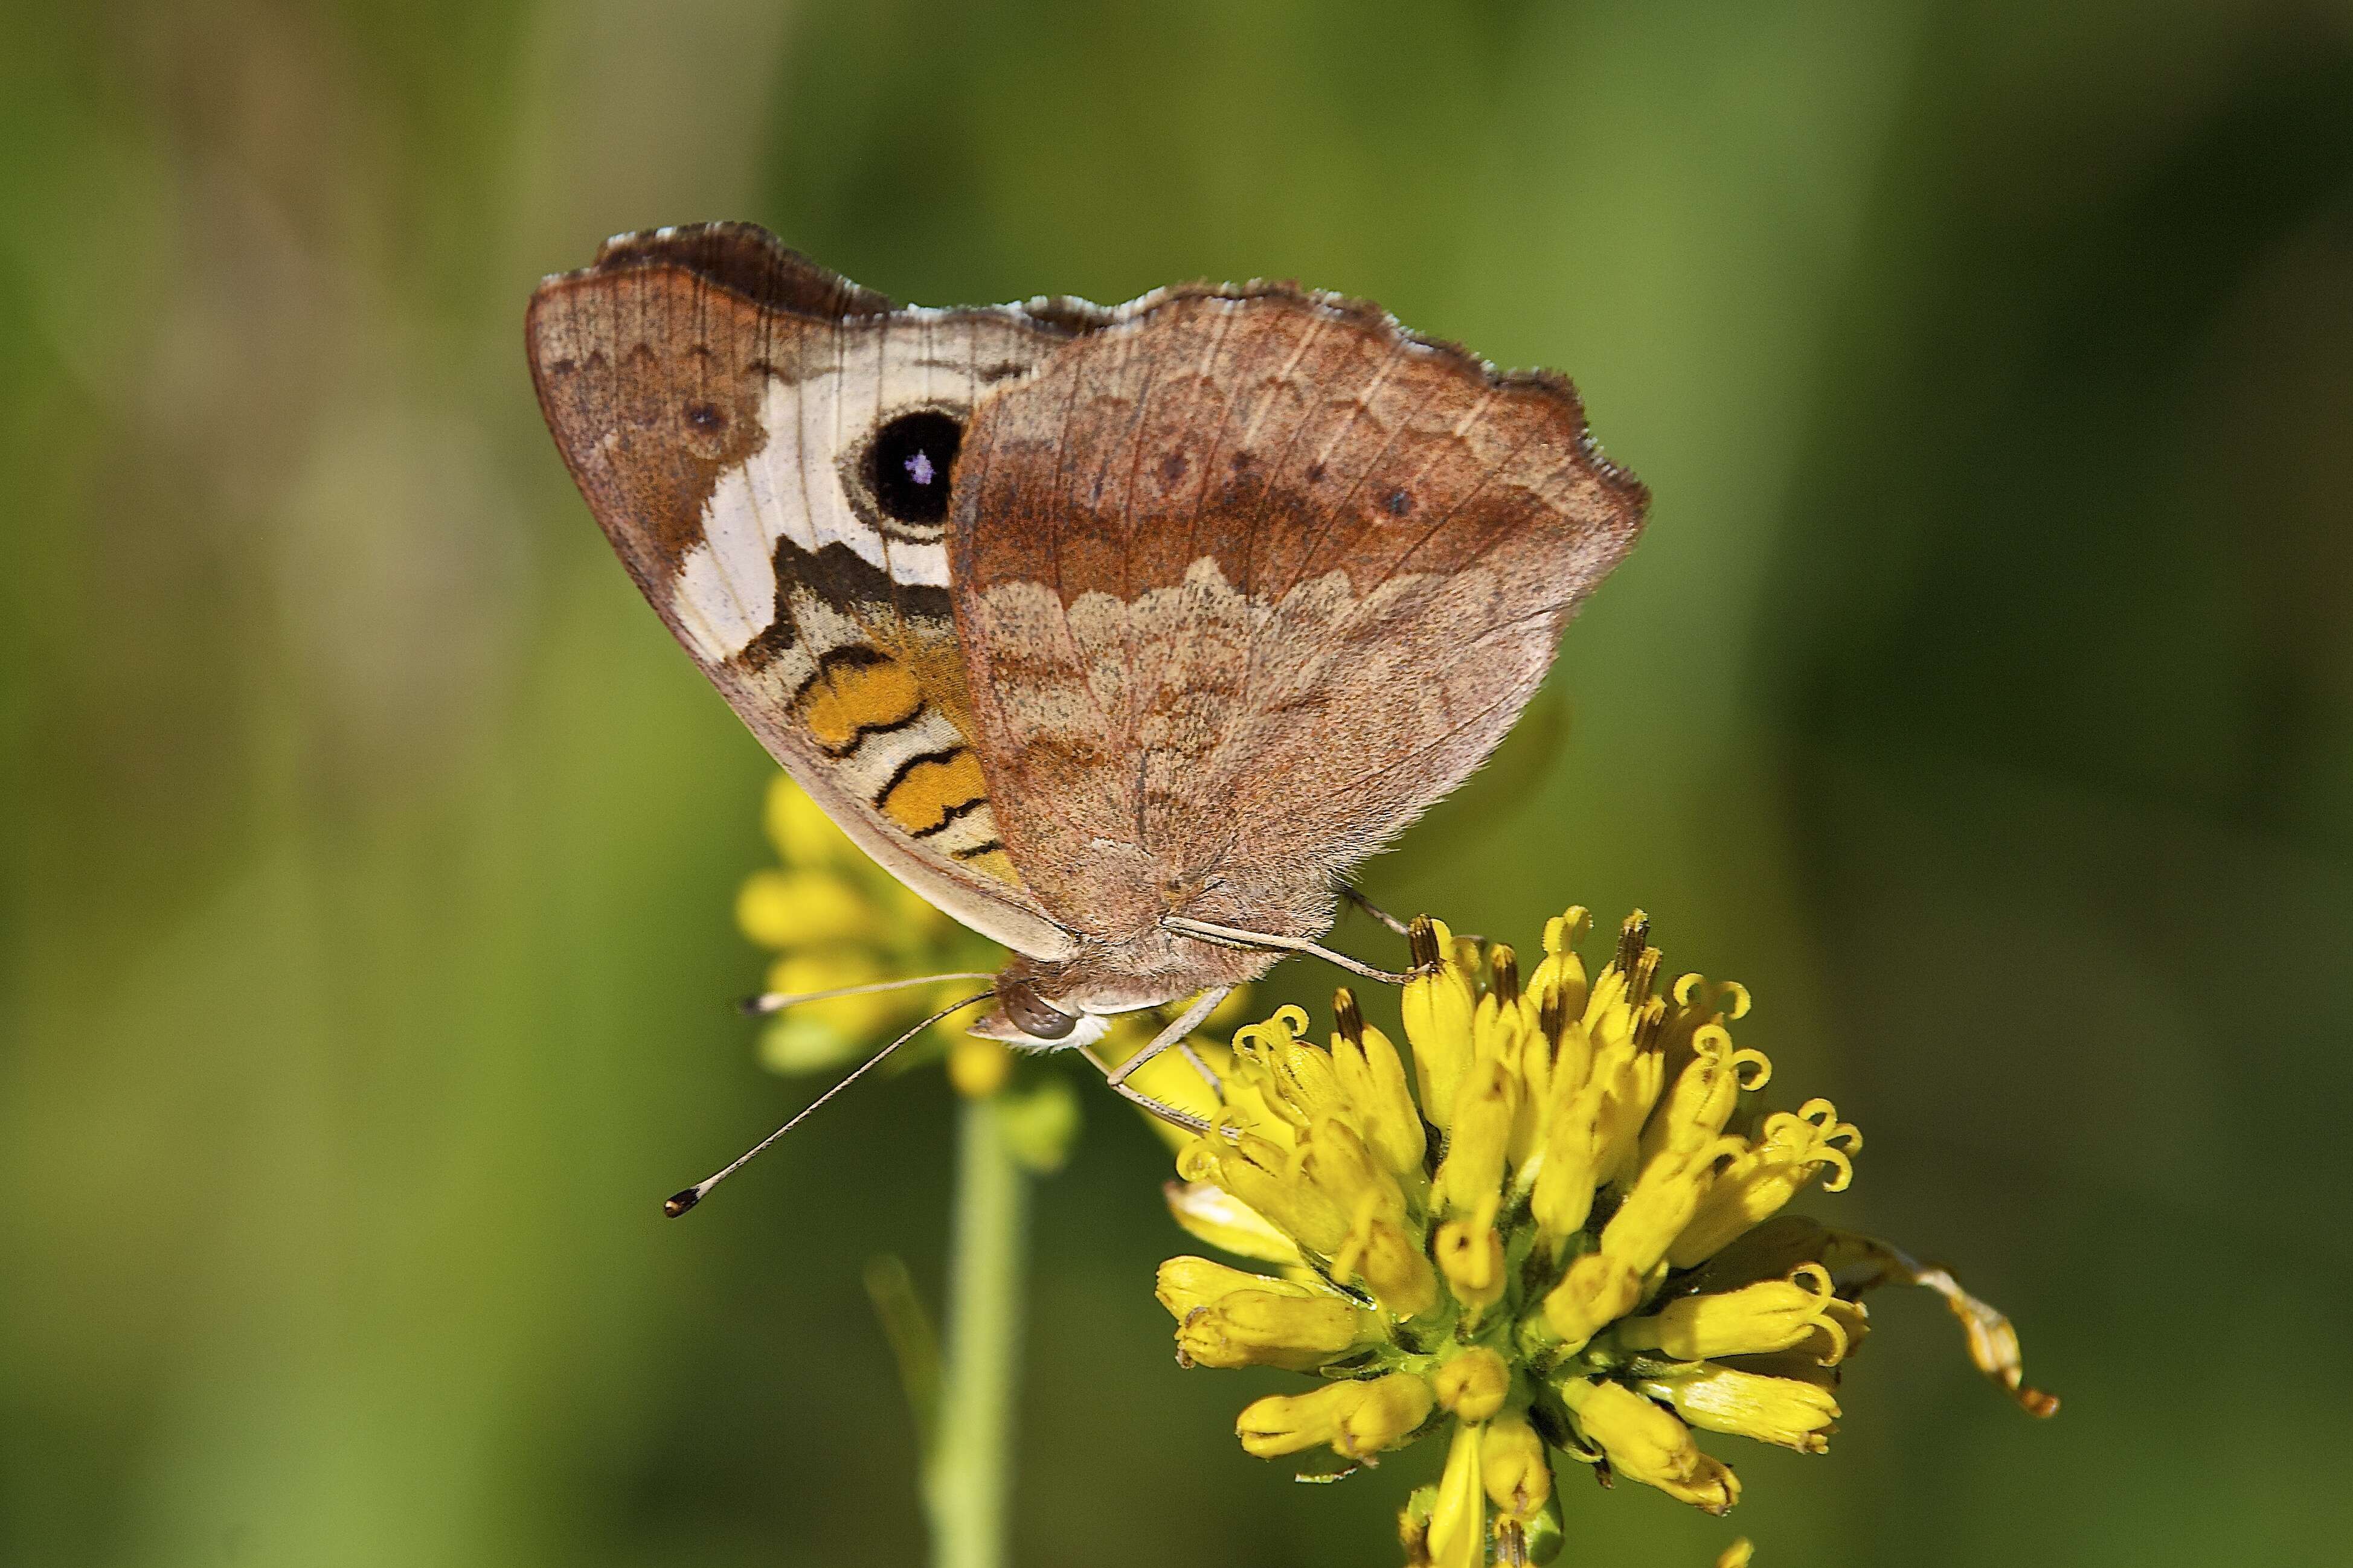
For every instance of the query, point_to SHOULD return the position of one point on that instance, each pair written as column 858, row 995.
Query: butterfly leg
column 1402, row 928
column 1372, row 909
column 1168, row 1114
column 1234, row 936
column 1200, row 1065
column 1185, row 1024
column 1173, row 1035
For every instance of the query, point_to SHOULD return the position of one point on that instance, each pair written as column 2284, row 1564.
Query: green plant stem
column 969, row 1476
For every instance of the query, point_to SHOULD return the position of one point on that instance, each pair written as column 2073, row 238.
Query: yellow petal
column 1457, row 1520
column 1778, row 1410
column 1212, row 1215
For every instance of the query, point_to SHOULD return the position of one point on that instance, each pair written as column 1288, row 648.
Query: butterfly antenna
column 679, row 1203
column 768, row 1002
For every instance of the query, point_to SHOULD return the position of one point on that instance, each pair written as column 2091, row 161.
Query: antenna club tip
column 679, row 1203
column 751, row 1006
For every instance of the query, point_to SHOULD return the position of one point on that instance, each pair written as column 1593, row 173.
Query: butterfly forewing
column 769, row 449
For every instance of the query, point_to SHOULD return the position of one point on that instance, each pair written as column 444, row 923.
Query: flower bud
column 1648, row 1443
column 1503, row 1017
column 1597, row 1289
column 802, row 833
column 1472, row 1384
column 818, row 1034
column 1334, row 1159
column 1572, row 1061
column 1471, row 1256
column 1392, row 1267
column 1795, row 1415
column 802, row 908
column 1634, row 1070
column 1269, row 1328
column 1755, row 1320
column 1356, row 1418
column 1513, row 1465
column 1299, row 1080
column 1185, row 1284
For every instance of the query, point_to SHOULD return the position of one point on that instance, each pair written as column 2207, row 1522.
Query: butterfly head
column 1024, row 1016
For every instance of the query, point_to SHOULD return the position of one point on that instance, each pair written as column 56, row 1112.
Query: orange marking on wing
column 928, row 650
column 851, row 698
column 923, row 796
column 996, row 863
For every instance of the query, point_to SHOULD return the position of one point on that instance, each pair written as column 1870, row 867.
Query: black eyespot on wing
column 909, row 463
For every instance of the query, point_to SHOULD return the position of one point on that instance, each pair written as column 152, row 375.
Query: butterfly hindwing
column 1246, row 578
column 769, row 446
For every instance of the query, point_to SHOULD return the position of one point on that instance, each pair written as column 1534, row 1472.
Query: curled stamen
column 1287, row 1024
column 1729, row 998
column 1815, row 1278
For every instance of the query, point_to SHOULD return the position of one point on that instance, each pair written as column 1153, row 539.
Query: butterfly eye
column 908, row 464
column 1032, row 1014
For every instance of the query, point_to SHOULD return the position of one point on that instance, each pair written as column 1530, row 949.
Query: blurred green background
column 1981, row 695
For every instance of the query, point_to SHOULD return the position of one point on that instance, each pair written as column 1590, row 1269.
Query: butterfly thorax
column 1137, row 962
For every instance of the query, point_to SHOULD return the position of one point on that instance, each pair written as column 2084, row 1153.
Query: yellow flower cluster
column 835, row 918
column 1558, row 1230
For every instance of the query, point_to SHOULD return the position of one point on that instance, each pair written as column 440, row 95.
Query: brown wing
column 737, row 418
column 1248, row 579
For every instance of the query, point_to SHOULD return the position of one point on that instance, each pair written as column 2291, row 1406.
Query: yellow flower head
column 1558, row 1233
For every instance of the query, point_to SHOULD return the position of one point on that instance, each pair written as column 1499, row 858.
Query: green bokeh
column 1982, row 695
